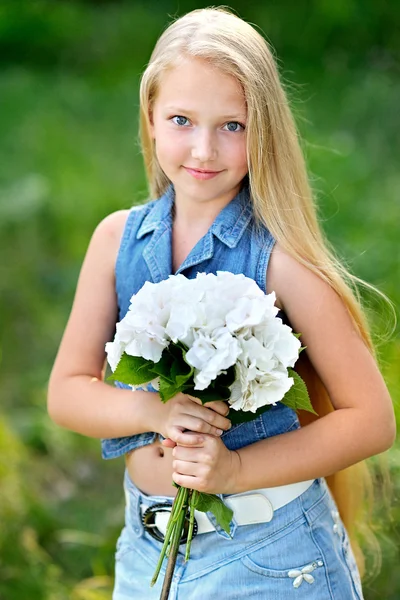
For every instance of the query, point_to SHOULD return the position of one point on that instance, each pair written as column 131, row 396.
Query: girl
column 231, row 193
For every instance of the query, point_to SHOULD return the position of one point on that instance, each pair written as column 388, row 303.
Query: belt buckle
column 149, row 518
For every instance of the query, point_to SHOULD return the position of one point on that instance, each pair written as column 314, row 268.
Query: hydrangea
column 221, row 320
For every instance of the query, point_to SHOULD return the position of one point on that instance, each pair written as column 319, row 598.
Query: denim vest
column 233, row 243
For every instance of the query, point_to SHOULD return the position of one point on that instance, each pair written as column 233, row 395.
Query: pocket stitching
column 277, row 573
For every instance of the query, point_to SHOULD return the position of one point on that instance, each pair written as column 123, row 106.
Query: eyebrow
column 179, row 110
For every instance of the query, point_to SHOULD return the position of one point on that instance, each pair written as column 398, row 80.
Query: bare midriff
column 150, row 469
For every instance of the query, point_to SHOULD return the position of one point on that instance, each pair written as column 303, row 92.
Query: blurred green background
column 69, row 155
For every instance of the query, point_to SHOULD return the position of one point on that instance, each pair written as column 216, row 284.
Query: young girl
column 230, row 193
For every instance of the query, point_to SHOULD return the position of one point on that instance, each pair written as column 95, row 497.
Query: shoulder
column 112, row 226
column 314, row 308
column 111, row 229
column 106, row 238
column 291, row 280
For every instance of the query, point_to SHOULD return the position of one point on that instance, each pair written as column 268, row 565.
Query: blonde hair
column 281, row 195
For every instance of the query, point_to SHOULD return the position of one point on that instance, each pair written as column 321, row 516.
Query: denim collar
column 228, row 226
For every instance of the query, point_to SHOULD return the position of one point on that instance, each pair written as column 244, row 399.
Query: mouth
column 201, row 173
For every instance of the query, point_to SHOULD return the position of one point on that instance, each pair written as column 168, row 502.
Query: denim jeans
column 303, row 553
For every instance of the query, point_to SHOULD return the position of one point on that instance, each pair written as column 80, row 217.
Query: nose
column 204, row 145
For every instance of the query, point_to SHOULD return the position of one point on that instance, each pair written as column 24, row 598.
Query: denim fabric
column 258, row 562
column 233, row 243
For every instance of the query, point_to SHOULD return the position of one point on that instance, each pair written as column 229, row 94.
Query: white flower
column 279, row 337
column 142, row 331
column 223, row 320
column 114, row 351
column 254, row 388
column 186, row 312
column 211, row 356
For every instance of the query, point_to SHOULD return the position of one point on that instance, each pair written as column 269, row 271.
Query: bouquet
column 216, row 337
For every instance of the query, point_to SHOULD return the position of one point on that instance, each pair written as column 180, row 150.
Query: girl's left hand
column 205, row 464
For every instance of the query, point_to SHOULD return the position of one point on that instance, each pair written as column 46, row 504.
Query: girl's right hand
column 183, row 412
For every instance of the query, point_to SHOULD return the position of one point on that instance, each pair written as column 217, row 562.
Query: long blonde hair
column 281, row 195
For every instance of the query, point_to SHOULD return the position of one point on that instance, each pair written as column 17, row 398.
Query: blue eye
column 234, row 126
column 179, row 120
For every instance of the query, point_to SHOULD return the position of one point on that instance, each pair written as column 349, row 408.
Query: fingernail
column 219, row 432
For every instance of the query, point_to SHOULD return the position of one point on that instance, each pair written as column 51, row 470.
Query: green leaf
column 214, row 504
column 164, row 365
column 175, row 372
column 297, row 397
column 133, row 370
column 181, row 372
column 218, row 388
column 167, row 389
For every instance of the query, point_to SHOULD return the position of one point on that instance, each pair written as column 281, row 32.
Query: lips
column 202, row 173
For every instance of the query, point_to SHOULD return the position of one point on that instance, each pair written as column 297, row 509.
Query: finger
column 185, row 481
column 215, row 417
column 190, row 438
column 189, row 453
column 219, row 406
column 184, row 467
column 168, row 443
column 194, row 399
column 217, row 420
column 201, row 423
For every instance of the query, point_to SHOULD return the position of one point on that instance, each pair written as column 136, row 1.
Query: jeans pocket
column 288, row 563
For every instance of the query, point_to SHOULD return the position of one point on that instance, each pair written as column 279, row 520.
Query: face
column 198, row 122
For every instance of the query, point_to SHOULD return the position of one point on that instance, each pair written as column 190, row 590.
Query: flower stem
column 192, row 507
column 176, row 538
column 172, row 537
column 168, row 534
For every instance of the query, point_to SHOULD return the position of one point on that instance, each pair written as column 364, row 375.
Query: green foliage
column 177, row 376
column 69, row 156
column 214, row 504
column 133, row 370
column 297, row 397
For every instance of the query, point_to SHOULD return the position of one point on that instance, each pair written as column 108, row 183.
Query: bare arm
column 363, row 423
column 78, row 398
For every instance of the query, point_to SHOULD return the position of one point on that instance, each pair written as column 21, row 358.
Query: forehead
column 198, row 83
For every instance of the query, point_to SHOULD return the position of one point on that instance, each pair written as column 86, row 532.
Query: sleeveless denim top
column 233, row 243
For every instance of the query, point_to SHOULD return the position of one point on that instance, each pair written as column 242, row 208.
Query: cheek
column 169, row 147
column 235, row 152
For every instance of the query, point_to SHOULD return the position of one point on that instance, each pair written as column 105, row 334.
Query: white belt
column 249, row 508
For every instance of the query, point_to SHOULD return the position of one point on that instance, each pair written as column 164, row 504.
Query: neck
column 192, row 214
